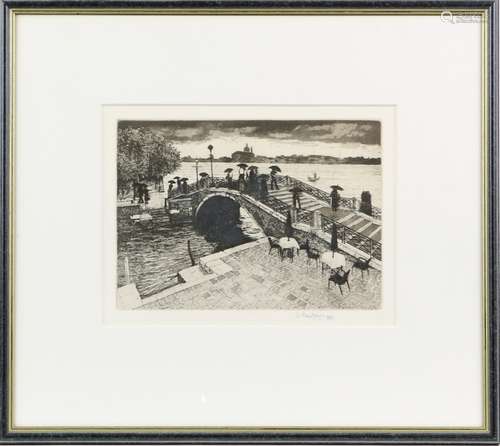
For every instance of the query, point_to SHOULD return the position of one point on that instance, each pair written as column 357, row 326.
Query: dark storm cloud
column 363, row 132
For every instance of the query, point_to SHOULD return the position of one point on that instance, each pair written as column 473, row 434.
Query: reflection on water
column 158, row 251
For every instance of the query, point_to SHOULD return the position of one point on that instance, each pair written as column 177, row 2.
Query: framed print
column 250, row 223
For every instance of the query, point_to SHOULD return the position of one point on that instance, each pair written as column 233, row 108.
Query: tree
column 143, row 155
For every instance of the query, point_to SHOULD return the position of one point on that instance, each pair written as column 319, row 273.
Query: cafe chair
column 312, row 254
column 273, row 244
column 362, row 265
column 340, row 277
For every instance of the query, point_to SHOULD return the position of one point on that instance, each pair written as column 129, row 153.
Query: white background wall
column 72, row 369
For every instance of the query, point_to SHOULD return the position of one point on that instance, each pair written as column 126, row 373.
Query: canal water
column 157, row 252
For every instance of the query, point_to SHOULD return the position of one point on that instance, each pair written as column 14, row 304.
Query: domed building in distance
column 243, row 156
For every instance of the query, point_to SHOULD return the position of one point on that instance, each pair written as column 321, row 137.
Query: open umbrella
column 184, row 179
column 337, row 187
column 203, row 174
column 177, row 178
column 242, row 166
column 276, row 168
column 334, row 244
column 228, row 170
column 288, row 225
column 171, row 181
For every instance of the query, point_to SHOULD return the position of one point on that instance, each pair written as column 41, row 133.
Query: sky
column 270, row 138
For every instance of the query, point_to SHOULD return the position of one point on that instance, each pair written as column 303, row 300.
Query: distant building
column 243, row 156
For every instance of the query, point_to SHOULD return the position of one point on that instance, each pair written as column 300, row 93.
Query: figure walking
column 241, row 182
column 335, row 197
column 274, row 180
column 296, row 197
column 185, row 187
column 140, row 192
column 135, row 191
column 263, row 187
column 170, row 188
column 229, row 178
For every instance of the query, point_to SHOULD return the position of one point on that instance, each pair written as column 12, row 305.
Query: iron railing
column 345, row 233
column 354, row 238
column 345, row 202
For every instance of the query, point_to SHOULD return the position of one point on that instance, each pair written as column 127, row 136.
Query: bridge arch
column 217, row 210
column 220, row 194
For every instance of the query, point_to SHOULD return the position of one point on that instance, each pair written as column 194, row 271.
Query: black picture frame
column 269, row 436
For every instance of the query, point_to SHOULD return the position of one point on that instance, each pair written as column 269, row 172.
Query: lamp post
column 210, row 148
column 196, row 167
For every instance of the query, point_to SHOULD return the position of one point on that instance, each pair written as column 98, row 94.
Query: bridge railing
column 345, row 202
column 284, row 181
column 354, row 238
column 346, row 234
column 175, row 192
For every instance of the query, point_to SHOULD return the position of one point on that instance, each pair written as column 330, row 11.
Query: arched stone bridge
column 359, row 234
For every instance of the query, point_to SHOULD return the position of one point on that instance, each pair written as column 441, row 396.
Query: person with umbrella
column 229, row 177
column 296, row 196
column 145, row 193
column 135, row 187
column 274, row 181
column 178, row 182
column 140, row 192
column 263, row 192
column 252, row 179
column 241, row 177
column 170, row 187
column 335, row 197
column 204, row 179
column 184, row 185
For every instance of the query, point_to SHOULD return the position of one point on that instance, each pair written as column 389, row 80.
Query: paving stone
column 262, row 281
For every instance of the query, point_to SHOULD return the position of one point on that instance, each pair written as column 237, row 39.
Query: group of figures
column 141, row 192
column 249, row 182
column 182, row 185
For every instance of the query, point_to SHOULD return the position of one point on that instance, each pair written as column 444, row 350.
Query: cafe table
column 331, row 260
column 287, row 245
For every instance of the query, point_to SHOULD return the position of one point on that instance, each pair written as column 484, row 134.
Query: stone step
column 365, row 226
column 367, row 230
column 344, row 219
column 372, row 234
column 308, row 206
column 302, row 200
column 315, row 207
column 360, row 224
column 305, row 199
column 279, row 192
column 355, row 222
